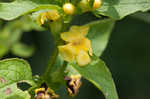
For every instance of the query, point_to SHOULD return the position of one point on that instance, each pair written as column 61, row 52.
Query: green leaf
column 98, row 74
column 12, row 92
column 22, row 50
column 42, row 1
column 118, row 9
column 13, row 71
column 99, row 34
column 10, row 11
column 142, row 16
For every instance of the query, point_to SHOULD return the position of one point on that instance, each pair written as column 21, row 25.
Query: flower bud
column 84, row 5
column 68, row 8
column 97, row 4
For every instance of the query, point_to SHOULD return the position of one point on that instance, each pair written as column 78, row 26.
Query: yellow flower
column 48, row 15
column 78, row 47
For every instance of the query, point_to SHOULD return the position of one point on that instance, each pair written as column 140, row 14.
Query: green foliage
column 11, row 33
column 15, row 9
column 114, row 9
column 99, row 34
column 142, row 16
column 10, row 11
column 118, row 9
column 13, row 71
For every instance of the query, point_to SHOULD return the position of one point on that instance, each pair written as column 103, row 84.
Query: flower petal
column 53, row 15
column 70, row 37
column 81, row 30
column 75, row 33
column 49, row 15
column 83, row 58
column 87, row 43
column 68, row 52
column 83, row 44
column 41, row 19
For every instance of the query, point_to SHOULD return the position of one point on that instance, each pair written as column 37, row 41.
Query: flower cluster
column 84, row 5
column 78, row 47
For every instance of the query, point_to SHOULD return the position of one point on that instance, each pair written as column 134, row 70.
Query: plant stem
column 52, row 59
column 55, row 28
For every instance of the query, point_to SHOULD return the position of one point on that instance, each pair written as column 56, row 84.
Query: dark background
column 127, row 56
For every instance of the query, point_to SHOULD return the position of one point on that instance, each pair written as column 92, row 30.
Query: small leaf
column 98, row 74
column 13, row 71
column 99, row 34
column 22, row 50
column 118, row 9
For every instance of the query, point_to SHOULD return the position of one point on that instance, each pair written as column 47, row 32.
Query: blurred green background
column 127, row 56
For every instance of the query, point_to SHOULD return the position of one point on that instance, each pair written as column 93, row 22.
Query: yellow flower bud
column 97, row 4
column 68, row 8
